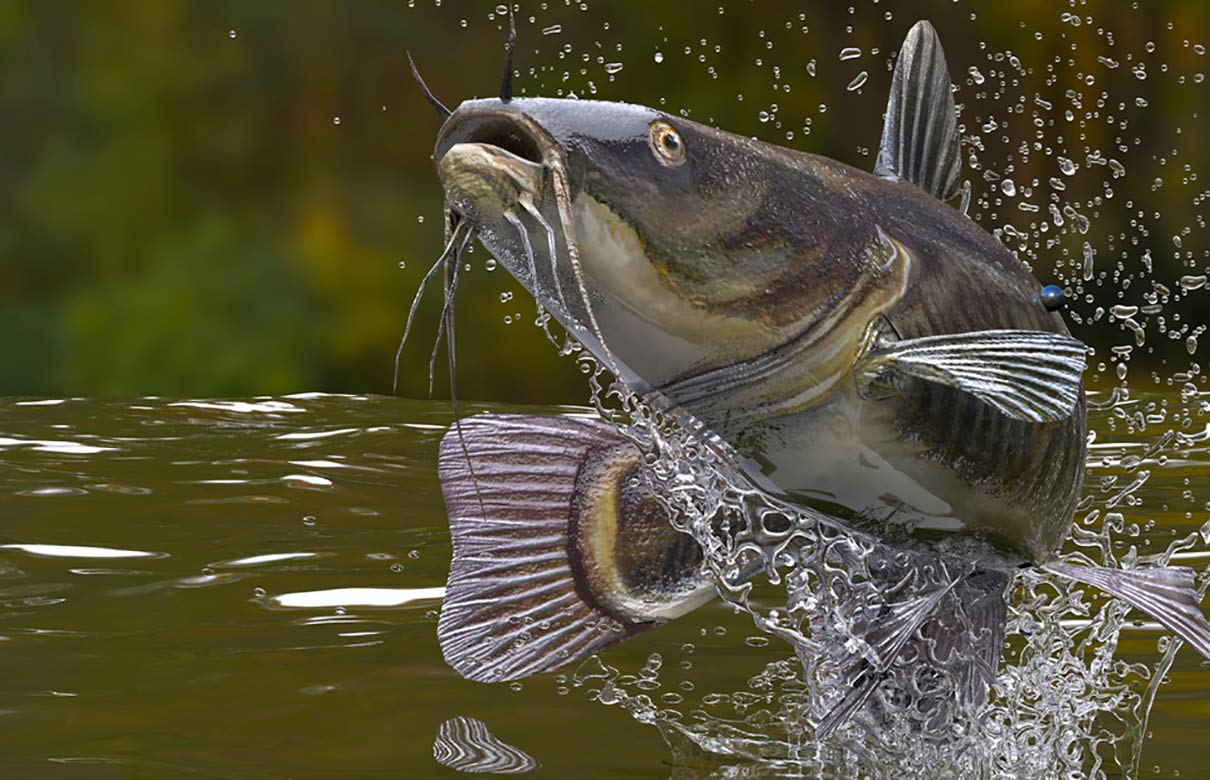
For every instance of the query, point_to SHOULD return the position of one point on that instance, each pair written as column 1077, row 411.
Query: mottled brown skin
column 622, row 545
column 779, row 238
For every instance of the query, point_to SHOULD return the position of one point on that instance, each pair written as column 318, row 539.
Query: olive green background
column 180, row 213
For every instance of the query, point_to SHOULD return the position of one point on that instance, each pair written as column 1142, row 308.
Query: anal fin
column 888, row 629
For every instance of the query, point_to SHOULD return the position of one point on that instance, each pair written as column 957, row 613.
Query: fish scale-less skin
column 765, row 247
column 1034, row 470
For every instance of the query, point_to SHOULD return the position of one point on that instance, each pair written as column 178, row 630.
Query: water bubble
column 335, row 120
column 858, row 82
column 849, row 53
column 659, row 57
column 613, row 67
column 553, row 29
column 231, row 33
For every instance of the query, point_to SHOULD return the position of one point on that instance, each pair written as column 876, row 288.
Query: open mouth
column 509, row 131
column 535, row 207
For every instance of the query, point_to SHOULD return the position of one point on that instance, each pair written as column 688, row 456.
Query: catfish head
column 666, row 247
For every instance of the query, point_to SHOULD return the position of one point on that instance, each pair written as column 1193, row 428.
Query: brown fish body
column 859, row 346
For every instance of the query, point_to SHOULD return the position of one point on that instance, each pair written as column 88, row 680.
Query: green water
column 163, row 609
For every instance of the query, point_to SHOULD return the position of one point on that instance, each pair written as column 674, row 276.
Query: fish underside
column 852, row 346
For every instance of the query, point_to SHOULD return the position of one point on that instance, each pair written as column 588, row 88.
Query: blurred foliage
column 184, row 214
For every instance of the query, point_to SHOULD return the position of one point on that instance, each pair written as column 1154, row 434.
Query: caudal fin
column 559, row 551
column 1166, row 593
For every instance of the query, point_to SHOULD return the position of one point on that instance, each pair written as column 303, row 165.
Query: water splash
column 1058, row 173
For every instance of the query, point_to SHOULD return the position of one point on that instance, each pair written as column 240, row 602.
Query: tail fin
column 1166, row 593
column 559, row 551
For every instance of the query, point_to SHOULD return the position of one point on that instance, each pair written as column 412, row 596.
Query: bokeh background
column 216, row 197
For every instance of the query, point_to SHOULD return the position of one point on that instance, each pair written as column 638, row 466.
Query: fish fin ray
column 859, row 690
column 1026, row 375
column 1166, row 593
column 920, row 140
column 888, row 629
column 518, row 601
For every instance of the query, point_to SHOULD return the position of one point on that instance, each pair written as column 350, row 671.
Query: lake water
column 249, row 589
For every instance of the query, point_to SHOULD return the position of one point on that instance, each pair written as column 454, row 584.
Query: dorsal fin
column 920, row 141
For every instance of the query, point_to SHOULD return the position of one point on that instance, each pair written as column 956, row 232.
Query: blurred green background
column 214, row 197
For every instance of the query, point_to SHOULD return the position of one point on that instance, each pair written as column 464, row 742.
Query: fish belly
column 924, row 464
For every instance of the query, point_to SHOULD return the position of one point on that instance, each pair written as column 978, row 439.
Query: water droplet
column 975, row 75
column 849, row 53
column 403, row 264
column 231, row 33
column 335, row 120
column 858, row 82
column 554, row 29
column 613, row 67
column 659, row 57
column 309, row 520
column 1008, row 187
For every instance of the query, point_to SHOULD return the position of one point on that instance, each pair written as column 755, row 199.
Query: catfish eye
column 666, row 143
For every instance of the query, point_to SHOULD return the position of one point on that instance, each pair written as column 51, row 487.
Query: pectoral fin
column 1026, row 375
column 566, row 553
column 1165, row 593
column 920, row 140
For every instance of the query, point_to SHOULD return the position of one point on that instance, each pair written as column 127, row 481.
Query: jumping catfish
column 863, row 348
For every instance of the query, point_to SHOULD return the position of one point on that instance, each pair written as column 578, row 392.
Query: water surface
column 249, row 589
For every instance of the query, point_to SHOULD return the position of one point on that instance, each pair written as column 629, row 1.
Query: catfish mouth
column 502, row 128
column 508, row 176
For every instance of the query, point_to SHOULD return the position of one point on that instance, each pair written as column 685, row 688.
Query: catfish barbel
column 863, row 349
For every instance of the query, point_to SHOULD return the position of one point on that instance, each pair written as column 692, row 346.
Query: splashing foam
column 1061, row 703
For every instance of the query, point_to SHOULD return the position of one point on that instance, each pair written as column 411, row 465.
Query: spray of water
column 1056, row 171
